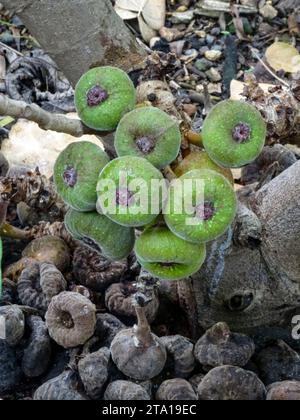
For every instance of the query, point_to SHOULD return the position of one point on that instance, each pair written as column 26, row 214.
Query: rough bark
column 264, row 275
column 79, row 34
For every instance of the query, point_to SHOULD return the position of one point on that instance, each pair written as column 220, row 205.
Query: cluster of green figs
column 125, row 204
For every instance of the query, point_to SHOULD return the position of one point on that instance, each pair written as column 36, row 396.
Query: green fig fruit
column 113, row 241
column 234, row 133
column 149, row 133
column 102, row 96
column 201, row 206
column 131, row 191
column 76, row 173
column 166, row 256
column 201, row 160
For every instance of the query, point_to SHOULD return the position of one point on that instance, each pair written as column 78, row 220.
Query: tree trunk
column 256, row 284
column 79, row 34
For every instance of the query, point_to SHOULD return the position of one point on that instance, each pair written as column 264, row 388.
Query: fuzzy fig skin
column 166, row 256
column 102, row 96
column 113, row 241
column 213, row 207
column 76, row 172
column 150, row 133
column 130, row 177
column 234, row 133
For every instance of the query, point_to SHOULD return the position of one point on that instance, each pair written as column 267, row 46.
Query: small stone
column 210, row 39
column 181, row 9
column 214, row 88
column 213, row 75
column 169, row 33
column 153, row 41
column 182, row 17
column 203, row 50
column 202, row 64
column 268, row 11
column 215, row 31
column 200, row 34
column 213, row 55
column 190, row 109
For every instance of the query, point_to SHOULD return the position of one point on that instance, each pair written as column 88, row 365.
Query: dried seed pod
column 284, row 391
column 137, row 352
column 63, row 387
column 278, row 362
column 176, row 389
column 94, row 271
column 107, row 327
column 125, row 391
column 182, row 352
column 93, row 371
column 39, row 283
column 14, row 324
column 71, row 319
column 219, row 346
column 119, row 301
column 10, row 372
column 37, row 354
column 49, row 249
column 231, row 383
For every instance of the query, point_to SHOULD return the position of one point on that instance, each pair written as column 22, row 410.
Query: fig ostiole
column 150, row 133
column 76, row 174
column 207, row 203
column 102, row 96
column 234, row 133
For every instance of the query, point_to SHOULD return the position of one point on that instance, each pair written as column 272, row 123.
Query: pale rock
column 213, row 55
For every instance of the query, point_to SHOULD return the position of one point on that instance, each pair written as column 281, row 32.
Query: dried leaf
column 237, row 89
column 133, row 5
column 283, row 56
column 147, row 32
column 126, row 14
column 154, row 13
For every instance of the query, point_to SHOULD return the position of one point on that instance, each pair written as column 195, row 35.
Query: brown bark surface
column 79, row 34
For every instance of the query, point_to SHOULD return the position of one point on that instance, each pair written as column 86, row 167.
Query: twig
column 11, row 49
column 48, row 121
column 267, row 68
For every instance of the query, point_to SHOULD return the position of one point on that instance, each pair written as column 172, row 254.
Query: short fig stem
column 194, row 138
column 143, row 330
column 168, row 173
column 9, row 231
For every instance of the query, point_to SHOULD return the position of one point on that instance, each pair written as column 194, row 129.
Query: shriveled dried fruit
column 38, row 284
column 176, row 389
column 219, row 346
column 137, row 352
column 10, row 372
column 14, row 324
column 37, row 353
column 125, row 390
column 49, row 249
column 95, row 271
column 278, row 362
column 107, row 328
column 71, row 319
column 284, row 391
column 93, row 371
column 61, row 388
column 231, row 383
column 181, row 351
column 119, row 301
